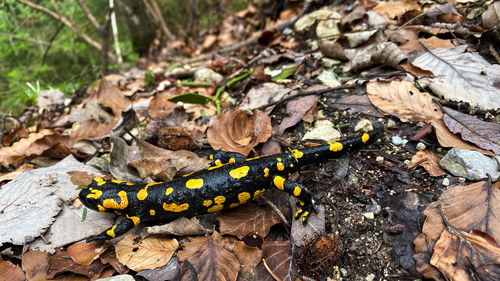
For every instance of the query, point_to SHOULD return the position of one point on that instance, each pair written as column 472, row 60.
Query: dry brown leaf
column 483, row 134
column 296, row 109
column 85, row 253
column 10, row 271
column 35, row 265
column 263, row 94
column 160, row 107
column 415, row 71
column 403, row 100
column 429, row 161
column 475, row 207
column 448, row 139
column 149, row 253
column 237, row 132
column 191, row 247
column 255, row 217
column 280, row 263
column 392, row 10
column 213, row 262
column 389, row 54
column 180, row 227
column 19, row 170
column 492, row 16
column 59, row 263
column 432, row 43
column 321, row 254
column 248, row 257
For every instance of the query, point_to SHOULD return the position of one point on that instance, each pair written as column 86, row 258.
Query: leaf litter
column 372, row 211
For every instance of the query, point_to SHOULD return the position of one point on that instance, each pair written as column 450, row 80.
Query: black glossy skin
column 224, row 185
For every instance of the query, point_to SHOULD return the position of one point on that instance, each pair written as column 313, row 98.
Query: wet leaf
column 279, row 261
column 462, row 76
column 35, row 264
column 429, row 161
column 403, row 100
column 148, row 253
column 195, row 98
column 484, row 134
column 213, row 262
column 237, row 132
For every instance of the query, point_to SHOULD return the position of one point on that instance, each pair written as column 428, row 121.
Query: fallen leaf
column 35, row 264
column 296, row 109
column 491, row 16
column 170, row 271
column 213, row 262
column 321, row 254
column 148, row 253
column 118, row 160
column 263, row 94
column 470, row 208
column 432, row 43
column 85, row 253
column 248, row 257
column 462, row 76
column 301, row 234
column 483, row 134
column 429, row 161
column 10, row 271
column 353, row 104
column 190, row 247
column 60, row 263
column 180, row 227
column 395, row 9
column 279, row 261
column 237, row 132
column 403, row 100
column 19, row 170
column 160, row 107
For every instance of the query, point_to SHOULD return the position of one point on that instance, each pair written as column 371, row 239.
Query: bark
column 139, row 23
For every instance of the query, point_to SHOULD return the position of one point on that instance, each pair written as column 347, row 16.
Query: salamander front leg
column 220, row 157
column 116, row 230
column 307, row 199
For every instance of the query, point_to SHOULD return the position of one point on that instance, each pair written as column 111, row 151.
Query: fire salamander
column 218, row 187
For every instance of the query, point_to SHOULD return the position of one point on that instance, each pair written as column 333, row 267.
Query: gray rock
column 469, row 164
column 123, row 277
column 397, row 140
column 207, row 74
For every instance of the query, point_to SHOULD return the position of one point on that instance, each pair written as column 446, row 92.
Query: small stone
column 397, row 140
column 407, row 162
column 207, row 74
column 391, row 124
column 420, row 146
column 446, row 182
column 369, row 215
column 344, row 272
column 328, row 62
column 461, row 180
column 380, row 160
column 370, row 277
column 364, row 125
column 469, row 164
column 323, row 131
column 123, row 277
column 329, row 78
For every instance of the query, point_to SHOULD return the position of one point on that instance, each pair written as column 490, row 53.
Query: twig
column 29, row 39
column 154, row 8
column 89, row 15
column 114, row 29
column 280, row 214
column 269, row 270
column 404, row 25
column 51, row 40
column 307, row 93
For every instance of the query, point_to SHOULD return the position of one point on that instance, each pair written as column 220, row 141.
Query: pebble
column 123, row 277
column 380, row 159
column 207, row 74
column 391, row 124
column 364, row 125
column 370, row 277
column 397, row 140
column 369, row 215
column 420, row 146
column 344, row 272
column 407, row 162
column 446, row 182
column 469, row 164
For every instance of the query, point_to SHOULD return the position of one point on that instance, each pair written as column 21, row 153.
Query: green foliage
column 194, row 97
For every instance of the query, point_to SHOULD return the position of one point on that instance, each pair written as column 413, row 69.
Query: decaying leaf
column 59, row 263
column 296, row 109
column 190, row 247
column 277, row 261
column 170, row 271
column 263, row 94
column 148, row 253
column 321, row 254
column 19, row 170
column 429, row 161
column 236, row 131
column 403, row 100
column 392, row 10
column 303, row 234
column 85, row 253
column 468, row 210
column 432, row 43
column 180, row 227
column 213, row 262
column 35, row 265
column 160, row 107
column 484, row 134
column 462, row 76
column 118, row 160
column 10, row 271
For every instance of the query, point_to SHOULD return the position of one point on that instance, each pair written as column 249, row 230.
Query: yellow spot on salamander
column 101, row 208
column 98, row 179
column 297, row 154
column 305, row 215
column 213, row 167
column 211, row 157
column 153, row 183
column 215, row 208
column 207, row 203
column 117, row 181
column 218, row 163
column 142, row 193
column 101, row 183
column 278, row 182
column 174, row 207
column 301, row 203
column 299, row 211
column 129, row 183
column 95, row 193
column 335, row 146
column 291, row 165
column 280, row 166
column 243, row 197
column 279, row 159
column 253, row 158
column 136, row 220
column 194, row 183
column 168, row 191
column 219, row 199
column 259, row 193
column 240, row 172
column 111, row 232
column 152, row 212
column 112, row 204
column 296, row 191
column 234, row 205
column 365, row 137
column 231, row 160
column 266, row 172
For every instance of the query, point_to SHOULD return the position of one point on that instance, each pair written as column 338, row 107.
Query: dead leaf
column 190, row 247
column 321, row 254
column 403, row 100
column 180, row 227
column 484, row 134
column 170, row 271
column 474, row 207
column 118, row 160
column 279, row 261
column 19, row 170
column 296, row 110
column 429, row 161
column 255, row 217
column 303, row 234
column 263, row 94
column 148, row 253
column 213, row 262
column 160, row 107
column 432, row 43
column 10, row 271
column 248, row 257
column 491, row 17
column 462, row 76
column 175, row 138
column 237, row 132
column 85, row 253
column 60, row 263
column 35, row 264
column 353, row 104
column 395, row 9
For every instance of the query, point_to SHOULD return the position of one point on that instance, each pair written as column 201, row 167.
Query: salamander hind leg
column 116, row 230
column 307, row 199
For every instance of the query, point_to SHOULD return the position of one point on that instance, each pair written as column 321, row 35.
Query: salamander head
column 104, row 196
